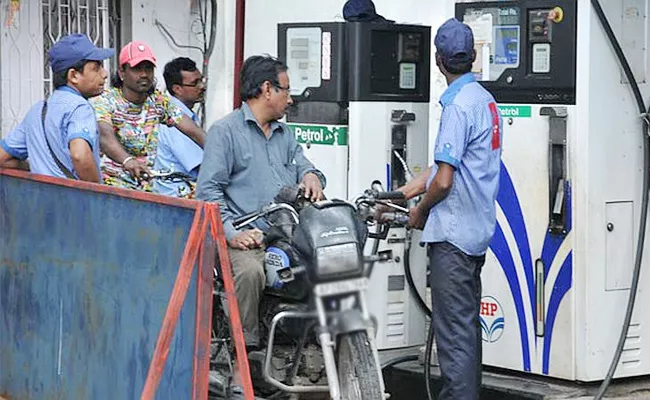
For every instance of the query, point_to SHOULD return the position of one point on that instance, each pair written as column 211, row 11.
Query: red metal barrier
column 205, row 237
column 206, row 215
column 205, row 286
column 235, row 321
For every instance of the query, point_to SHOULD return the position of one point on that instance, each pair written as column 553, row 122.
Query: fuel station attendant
column 457, row 212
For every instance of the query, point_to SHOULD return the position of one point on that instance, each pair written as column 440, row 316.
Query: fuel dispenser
column 561, row 265
column 361, row 112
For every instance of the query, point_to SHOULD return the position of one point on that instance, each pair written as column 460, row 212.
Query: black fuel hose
column 427, row 361
column 409, row 279
column 399, row 360
column 644, row 202
column 425, row 309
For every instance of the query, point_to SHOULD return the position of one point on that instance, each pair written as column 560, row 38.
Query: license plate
column 341, row 287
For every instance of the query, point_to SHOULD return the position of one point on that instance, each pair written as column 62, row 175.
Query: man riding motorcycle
column 249, row 156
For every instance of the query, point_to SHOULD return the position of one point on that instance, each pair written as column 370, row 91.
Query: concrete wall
column 21, row 62
column 181, row 19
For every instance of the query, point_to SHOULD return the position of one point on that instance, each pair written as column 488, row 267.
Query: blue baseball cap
column 455, row 42
column 362, row 11
column 72, row 49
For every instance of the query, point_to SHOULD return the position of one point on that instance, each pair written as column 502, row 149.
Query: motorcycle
column 314, row 318
column 185, row 191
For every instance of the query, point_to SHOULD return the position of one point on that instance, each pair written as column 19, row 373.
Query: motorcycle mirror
column 377, row 186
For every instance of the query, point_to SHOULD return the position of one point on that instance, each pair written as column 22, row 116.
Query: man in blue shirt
column 249, row 156
column 458, row 210
column 63, row 142
column 177, row 152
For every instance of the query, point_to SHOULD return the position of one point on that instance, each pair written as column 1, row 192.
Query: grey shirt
column 242, row 170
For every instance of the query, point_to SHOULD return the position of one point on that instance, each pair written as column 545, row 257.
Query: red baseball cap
column 136, row 52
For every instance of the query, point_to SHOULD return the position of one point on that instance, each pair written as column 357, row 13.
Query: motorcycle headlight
column 339, row 259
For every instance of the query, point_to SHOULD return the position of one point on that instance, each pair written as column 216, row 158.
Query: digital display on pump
column 525, row 49
column 497, row 36
column 304, row 46
column 506, row 45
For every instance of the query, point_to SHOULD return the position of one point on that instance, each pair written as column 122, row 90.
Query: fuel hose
column 644, row 201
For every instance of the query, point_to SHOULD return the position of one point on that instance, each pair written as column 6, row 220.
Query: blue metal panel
column 85, row 278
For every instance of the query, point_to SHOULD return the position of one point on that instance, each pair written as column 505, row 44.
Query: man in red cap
column 129, row 115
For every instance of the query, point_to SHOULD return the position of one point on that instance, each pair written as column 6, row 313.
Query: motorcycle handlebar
column 271, row 208
column 400, row 216
column 244, row 219
column 167, row 175
column 394, row 195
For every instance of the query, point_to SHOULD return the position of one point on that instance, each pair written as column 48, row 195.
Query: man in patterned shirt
column 129, row 115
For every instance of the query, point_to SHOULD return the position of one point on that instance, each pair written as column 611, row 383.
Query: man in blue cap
column 60, row 136
column 362, row 11
column 457, row 210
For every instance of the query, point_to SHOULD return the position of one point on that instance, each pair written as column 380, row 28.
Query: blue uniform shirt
column 469, row 139
column 177, row 153
column 69, row 116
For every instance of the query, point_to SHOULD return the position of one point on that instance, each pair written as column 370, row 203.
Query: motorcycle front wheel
column 357, row 369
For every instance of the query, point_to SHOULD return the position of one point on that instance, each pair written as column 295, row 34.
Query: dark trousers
column 456, row 296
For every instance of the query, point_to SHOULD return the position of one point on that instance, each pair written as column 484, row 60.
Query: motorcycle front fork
column 328, row 344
